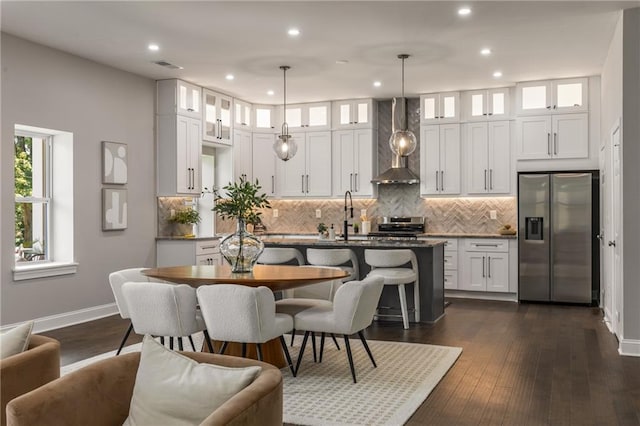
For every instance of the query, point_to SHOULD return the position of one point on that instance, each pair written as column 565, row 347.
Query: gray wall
column 621, row 99
column 631, row 171
column 47, row 88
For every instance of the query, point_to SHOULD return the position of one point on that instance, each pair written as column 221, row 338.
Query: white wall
column 611, row 84
column 47, row 88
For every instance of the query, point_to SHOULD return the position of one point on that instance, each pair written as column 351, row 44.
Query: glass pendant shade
column 285, row 146
column 403, row 142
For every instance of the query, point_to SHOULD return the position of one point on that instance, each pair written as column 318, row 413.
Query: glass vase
column 241, row 249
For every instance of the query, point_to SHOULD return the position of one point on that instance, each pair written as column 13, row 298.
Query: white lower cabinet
column 451, row 265
column 485, row 265
column 188, row 252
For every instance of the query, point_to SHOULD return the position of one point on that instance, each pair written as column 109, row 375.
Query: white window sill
column 42, row 270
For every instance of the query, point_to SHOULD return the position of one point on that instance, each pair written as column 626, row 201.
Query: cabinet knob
column 612, row 243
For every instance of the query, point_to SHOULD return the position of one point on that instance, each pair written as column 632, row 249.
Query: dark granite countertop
column 181, row 238
column 425, row 235
column 352, row 242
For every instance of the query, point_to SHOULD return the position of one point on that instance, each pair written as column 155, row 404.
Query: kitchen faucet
column 346, row 225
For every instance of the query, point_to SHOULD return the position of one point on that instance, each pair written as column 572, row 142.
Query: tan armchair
column 100, row 393
column 23, row 372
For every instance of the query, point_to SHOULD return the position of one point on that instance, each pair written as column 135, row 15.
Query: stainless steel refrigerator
column 557, row 242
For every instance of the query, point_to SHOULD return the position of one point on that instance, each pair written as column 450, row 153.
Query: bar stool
column 279, row 256
column 335, row 257
column 388, row 265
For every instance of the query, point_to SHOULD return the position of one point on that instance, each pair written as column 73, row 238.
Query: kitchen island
column 430, row 255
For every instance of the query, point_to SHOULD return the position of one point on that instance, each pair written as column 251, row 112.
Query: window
column 32, row 191
column 43, row 185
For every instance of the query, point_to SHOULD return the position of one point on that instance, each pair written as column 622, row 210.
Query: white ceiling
column 530, row 41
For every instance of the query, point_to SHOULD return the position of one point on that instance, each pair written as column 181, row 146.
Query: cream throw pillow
column 15, row 340
column 171, row 389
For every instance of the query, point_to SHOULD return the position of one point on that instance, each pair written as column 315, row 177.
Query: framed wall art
column 114, row 209
column 114, row 163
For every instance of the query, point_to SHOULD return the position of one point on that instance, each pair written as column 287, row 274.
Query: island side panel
column 430, row 270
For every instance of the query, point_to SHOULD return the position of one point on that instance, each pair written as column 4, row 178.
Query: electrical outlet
column 493, row 214
column 275, row 212
column 318, row 213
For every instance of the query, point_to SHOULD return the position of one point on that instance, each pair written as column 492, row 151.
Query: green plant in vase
column 187, row 216
column 323, row 231
column 241, row 201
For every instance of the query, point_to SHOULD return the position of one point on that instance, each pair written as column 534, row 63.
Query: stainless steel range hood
column 399, row 173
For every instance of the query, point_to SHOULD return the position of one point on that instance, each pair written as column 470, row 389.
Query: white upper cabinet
column 482, row 105
column 553, row 96
column 488, row 158
column 242, row 155
column 353, row 114
column 308, row 173
column 242, row 114
column 264, row 119
column 264, row 162
column 354, row 162
column 178, row 155
column 306, row 117
column 216, row 117
column 179, row 97
column 436, row 108
column 553, row 137
column 440, row 159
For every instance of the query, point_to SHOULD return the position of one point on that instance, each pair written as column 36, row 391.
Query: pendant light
column 285, row 146
column 403, row 141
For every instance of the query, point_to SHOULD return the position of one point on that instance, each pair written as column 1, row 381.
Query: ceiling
column 529, row 41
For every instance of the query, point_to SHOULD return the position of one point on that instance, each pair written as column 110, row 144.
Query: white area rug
column 324, row 394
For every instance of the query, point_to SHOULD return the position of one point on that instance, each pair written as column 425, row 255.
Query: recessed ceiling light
column 270, row 92
column 377, row 84
column 342, row 61
column 486, row 51
column 229, row 77
column 154, row 47
column 497, row 74
column 464, row 11
column 293, row 32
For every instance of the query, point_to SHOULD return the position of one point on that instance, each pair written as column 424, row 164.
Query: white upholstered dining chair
column 116, row 280
column 162, row 309
column 354, row 306
column 242, row 314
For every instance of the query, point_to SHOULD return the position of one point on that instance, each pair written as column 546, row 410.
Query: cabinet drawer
column 450, row 260
column 207, row 247
column 487, row 245
column 451, row 245
column 451, row 280
column 208, row 259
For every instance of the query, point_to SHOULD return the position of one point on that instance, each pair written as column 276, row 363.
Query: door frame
column 614, row 232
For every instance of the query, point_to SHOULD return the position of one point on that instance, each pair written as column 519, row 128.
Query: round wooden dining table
column 275, row 277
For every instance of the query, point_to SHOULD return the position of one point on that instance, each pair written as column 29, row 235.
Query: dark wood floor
column 521, row 364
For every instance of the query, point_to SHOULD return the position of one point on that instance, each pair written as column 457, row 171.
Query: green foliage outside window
column 23, row 169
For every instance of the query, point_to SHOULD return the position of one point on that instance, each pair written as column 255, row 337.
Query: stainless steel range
column 398, row 228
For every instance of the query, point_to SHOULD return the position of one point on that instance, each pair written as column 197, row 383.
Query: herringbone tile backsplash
column 459, row 215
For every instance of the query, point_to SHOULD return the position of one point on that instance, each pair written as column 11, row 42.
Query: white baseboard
column 66, row 319
column 629, row 347
column 464, row 294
